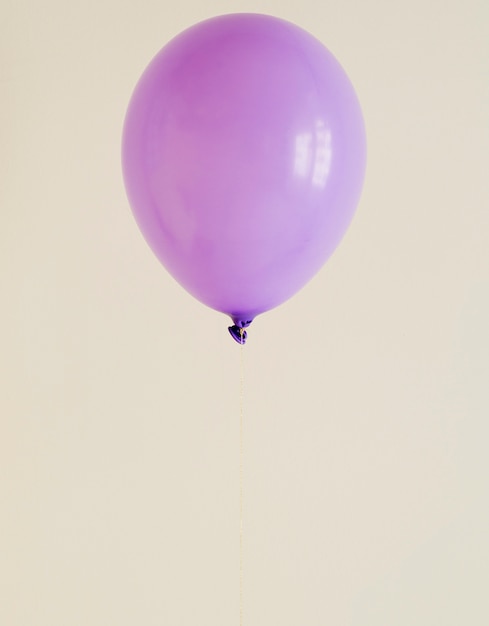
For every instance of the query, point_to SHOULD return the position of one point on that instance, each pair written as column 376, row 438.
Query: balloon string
column 241, row 455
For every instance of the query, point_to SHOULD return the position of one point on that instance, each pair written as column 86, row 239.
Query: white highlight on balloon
column 313, row 155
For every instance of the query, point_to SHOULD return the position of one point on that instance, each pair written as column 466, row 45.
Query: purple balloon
column 243, row 160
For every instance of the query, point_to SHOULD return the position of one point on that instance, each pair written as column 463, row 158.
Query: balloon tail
column 238, row 334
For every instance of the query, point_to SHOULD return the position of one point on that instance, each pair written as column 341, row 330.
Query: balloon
column 243, row 160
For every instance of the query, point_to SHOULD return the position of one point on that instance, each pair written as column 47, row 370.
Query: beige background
column 366, row 410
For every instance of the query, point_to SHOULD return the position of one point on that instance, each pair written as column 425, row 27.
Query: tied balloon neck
column 238, row 332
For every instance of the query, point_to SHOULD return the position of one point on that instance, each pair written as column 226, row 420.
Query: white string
column 241, row 464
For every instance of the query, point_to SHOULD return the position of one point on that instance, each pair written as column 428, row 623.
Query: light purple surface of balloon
column 243, row 160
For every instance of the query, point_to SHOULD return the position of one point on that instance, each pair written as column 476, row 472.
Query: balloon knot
column 238, row 333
